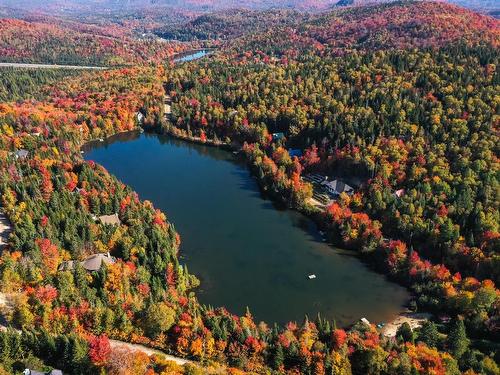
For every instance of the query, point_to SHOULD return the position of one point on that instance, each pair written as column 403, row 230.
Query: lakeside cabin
column 91, row 263
column 140, row 117
column 365, row 321
column 337, row 187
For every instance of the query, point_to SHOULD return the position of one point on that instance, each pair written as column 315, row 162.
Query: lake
column 244, row 250
column 190, row 56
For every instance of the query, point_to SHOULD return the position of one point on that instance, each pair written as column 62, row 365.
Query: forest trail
column 50, row 66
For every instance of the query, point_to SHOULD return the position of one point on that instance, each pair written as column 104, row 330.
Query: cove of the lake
column 244, row 250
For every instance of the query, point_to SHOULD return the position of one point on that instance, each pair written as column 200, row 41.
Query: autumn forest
column 399, row 99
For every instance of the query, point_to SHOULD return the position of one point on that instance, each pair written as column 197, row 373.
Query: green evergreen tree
column 279, row 357
column 405, row 332
column 457, row 341
column 429, row 334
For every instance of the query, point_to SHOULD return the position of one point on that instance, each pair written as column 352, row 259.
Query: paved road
column 49, row 66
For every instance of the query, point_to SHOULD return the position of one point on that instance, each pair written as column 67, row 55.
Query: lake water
column 190, row 56
column 245, row 251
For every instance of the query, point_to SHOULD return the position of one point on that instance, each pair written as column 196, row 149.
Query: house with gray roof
column 337, row 187
column 21, row 154
column 33, row 372
column 91, row 263
column 95, row 262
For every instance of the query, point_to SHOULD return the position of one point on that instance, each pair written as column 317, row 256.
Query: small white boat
column 81, row 152
column 312, row 276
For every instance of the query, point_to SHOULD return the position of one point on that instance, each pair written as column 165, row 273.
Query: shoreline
column 414, row 319
column 309, row 212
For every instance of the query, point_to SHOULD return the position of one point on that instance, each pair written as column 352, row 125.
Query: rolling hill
column 58, row 42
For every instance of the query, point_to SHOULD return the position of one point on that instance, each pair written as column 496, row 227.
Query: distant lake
column 190, row 56
column 245, row 251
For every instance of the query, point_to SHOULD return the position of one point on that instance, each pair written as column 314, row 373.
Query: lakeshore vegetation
column 413, row 110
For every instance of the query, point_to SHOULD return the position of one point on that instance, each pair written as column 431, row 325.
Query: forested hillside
column 227, row 25
column 397, row 25
column 18, row 84
column 404, row 97
column 78, row 44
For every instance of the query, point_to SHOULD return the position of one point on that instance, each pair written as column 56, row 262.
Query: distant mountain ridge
column 487, row 6
column 383, row 25
column 56, row 41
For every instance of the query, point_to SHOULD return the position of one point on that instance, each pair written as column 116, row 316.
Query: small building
column 167, row 109
column 278, row 136
column 140, row 117
column 95, row 262
column 91, row 264
column 21, row 154
column 33, row 372
column 365, row 321
column 337, row 187
column 295, row 152
column 110, row 219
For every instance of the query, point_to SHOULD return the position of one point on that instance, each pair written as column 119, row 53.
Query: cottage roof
column 337, row 186
column 110, row 219
column 94, row 262
column 34, row 372
column 22, row 154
